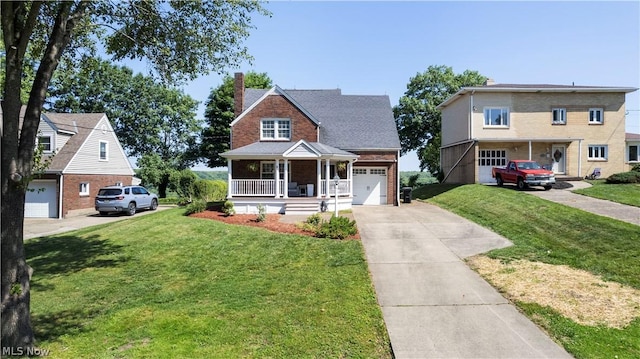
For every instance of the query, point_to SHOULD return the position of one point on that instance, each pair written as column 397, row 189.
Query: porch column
column 319, row 178
column 229, row 178
column 277, row 177
column 350, row 177
column 286, row 179
column 327, row 176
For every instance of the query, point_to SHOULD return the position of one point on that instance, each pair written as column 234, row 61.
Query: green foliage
column 337, row 228
column 182, row 182
column 227, row 208
column 314, row 219
column 636, row 168
column 262, row 213
column 212, row 175
column 210, row 191
column 624, row 177
column 415, row 178
column 418, row 120
column 220, row 112
column 196, row 206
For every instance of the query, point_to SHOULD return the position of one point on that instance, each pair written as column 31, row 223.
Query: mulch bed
column 272, row 222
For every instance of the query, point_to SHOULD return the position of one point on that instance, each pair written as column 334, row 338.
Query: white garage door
column 487, row 160
column 370, row 185
column 40, row 201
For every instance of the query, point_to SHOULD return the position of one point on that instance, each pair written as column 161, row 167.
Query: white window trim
column 603, row 157
column 601, row 110
column 106, row 151
column 484, row 111
column 86, row 190
column 262, row 163
column 276, row 125
column 51, row 146
column 563, row 116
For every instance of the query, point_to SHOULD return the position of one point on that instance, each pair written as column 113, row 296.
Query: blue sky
column 375, row 47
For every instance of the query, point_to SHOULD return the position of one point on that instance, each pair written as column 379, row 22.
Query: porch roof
column 289, row 150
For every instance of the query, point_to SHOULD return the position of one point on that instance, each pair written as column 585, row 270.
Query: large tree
column 149, row 117
column 179, row 39
column 417, row 119
column 219, row 115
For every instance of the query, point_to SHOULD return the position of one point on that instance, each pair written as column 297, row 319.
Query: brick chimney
column 238, row 94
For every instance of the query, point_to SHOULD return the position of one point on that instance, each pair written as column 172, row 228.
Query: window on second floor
column 596, row 116
column 104, row 151
column 496, row 117
column 559, row 116
column 45, row 142
column 275, row 129
column 597, row 152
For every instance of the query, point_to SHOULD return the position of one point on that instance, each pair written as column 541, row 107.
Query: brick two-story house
column 288, row 147
column 570, row 129
column 86, row 154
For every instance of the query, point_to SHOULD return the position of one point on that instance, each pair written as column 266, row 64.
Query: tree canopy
column 219, row 115
column 417, row 119
column 179, row 39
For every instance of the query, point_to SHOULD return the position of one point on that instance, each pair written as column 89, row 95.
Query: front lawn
column 628, row 193
column 166, row 286
column 547, row 232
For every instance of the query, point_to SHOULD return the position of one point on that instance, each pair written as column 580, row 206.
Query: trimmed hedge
column 624, row 177
column 210, row 190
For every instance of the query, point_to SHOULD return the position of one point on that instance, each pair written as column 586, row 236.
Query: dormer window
column 278, row 129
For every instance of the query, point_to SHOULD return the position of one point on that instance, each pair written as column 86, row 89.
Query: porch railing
column 254, row 187
column 343, row 187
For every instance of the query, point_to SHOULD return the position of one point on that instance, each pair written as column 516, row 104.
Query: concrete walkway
column 598, row 206
column 433, row 305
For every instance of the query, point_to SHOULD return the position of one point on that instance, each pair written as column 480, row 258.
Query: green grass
column 166, row 286
column 552, row 233
column 622, row 193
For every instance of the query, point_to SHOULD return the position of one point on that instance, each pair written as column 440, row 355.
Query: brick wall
column 72, row 200
column 247, row 130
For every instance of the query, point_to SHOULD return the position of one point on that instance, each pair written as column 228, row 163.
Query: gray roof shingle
column 348, row 122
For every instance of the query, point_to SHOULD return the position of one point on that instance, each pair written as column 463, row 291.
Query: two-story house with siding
column 293, row 150
column 573, row 130
column 86, row 156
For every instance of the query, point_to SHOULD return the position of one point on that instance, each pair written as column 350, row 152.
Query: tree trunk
column 162, row 186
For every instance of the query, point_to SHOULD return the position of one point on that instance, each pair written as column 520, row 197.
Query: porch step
column 301, row 206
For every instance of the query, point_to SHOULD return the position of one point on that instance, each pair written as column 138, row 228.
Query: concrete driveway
column 38, row 227
column 434, row 306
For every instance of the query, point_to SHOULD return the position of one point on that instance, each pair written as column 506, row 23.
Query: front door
column 558, row 159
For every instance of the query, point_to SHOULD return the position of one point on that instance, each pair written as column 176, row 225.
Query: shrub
column 196, row 206
column 182, row 182
column 314, row 219
column 262, row 213
column 337, row 228
column 227, row 208
column 210, row 190
column 624, row 177
column 636, row 168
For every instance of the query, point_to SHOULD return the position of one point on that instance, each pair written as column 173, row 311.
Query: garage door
column 487, row 160
column 40, row 201
column 370, row 185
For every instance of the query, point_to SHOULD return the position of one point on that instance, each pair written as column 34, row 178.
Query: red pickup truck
column 524, row 173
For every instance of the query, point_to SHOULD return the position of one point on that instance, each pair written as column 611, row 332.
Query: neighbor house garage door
column 488, row 159
column 369, row 185
column 40, row 201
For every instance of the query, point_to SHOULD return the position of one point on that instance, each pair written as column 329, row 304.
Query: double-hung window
column 596, row 116
column 268, row 170
column 45, row 143
column 558, row 116
column 597, row 152
column 496, row 117
column 275, row 129
column 104, row 151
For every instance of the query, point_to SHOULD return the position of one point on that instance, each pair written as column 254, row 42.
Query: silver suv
column 126, row 199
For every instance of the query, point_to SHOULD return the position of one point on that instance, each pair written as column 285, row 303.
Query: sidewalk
column 598, row 206
column 433, row 305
